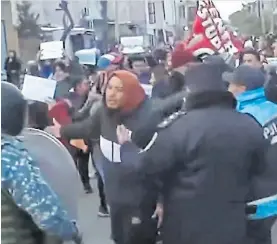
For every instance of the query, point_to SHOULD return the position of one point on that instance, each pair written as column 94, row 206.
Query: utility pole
column 273, row 7
column 261, row 15
column 116, row 22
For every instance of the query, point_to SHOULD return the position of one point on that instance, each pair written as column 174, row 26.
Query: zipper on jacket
column 112, row 152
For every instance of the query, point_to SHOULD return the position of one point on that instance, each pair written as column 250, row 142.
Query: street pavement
column 97, row 230
column 274, row 233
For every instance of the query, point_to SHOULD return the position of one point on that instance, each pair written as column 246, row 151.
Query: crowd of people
column 179, row 165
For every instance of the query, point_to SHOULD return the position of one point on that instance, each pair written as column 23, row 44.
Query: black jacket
column 63, row 87
column 207, row 158
column 14, row 65
column 271, row 87
column 123, row 184
column 270, row 133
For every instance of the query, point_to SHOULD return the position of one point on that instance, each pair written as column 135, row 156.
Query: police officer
column 206, row 157
column 31, row 212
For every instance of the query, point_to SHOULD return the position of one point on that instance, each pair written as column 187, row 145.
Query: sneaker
column 88, row 189
column 103, row 212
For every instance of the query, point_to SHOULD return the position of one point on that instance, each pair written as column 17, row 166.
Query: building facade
column 9, row 36
column 169, row 20
column 266, row 10
column 130, row 15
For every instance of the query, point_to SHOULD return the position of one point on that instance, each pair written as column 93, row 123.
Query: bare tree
column 28, row 21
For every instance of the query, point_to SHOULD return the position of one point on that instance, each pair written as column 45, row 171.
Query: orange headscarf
column 134, row 94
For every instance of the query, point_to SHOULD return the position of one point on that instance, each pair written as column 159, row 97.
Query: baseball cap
column 245, row 75
column 108, row 59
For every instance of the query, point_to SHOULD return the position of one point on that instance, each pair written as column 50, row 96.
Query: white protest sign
column 51, row 50
column 132, row 44
column 131, row 41
column 38, row 89
column 127, row 50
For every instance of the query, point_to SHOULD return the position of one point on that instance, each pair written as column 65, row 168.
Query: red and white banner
column 210, row 34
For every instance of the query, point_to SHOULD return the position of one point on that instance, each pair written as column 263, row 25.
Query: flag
column 210, row 34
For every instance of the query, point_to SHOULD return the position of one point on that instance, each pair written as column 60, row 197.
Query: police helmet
column 13, row 109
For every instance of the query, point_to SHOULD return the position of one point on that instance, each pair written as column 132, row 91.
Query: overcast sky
column 227, row 7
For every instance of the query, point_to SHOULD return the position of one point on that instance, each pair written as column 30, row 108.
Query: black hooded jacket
column 271, row 87
column 123, row 184
column 207, row 159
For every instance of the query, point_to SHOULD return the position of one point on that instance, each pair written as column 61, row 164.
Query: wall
column 128, row 11
column 159, row 24
column 28, row 49
column 49, row 14
column 3, row 44
column 11, row 32
column 170, row 9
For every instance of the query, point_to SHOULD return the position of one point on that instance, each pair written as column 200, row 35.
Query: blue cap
column 107, row 59
column 245, row 75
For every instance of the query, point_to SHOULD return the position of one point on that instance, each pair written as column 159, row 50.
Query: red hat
column 180, row 56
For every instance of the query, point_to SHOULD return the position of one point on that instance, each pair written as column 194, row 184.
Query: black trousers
column 132, row 225
column 101, row 191
column 13, row 78
column 81, row 160
column 100, row 184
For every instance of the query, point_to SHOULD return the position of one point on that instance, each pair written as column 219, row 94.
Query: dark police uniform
column 206, row 158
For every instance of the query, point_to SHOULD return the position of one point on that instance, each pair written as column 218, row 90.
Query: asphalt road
column 97, row 230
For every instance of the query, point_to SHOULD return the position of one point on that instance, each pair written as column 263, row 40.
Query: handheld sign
column 87, row 56
column 132, row 44
column 38, row 89
column 51, row 50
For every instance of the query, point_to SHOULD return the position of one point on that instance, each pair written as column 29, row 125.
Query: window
column 85, row 11
column 163, row 9
column 191, row 13
column 90, row 24
column 151, row 13
column 182, row 11
column 3, row 44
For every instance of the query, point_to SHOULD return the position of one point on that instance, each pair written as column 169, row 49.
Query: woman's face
column 67, row 61
column 60, row 74
column 11, row 55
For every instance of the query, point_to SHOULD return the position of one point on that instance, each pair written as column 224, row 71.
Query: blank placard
column 38, row 89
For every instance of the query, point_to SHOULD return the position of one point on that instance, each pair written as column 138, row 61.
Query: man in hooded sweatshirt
column 131, row 196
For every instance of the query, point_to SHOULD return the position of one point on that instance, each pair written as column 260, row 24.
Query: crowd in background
column 207, row 161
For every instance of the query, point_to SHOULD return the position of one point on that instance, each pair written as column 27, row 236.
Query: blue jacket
column 256, row 104
column 21, row 177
